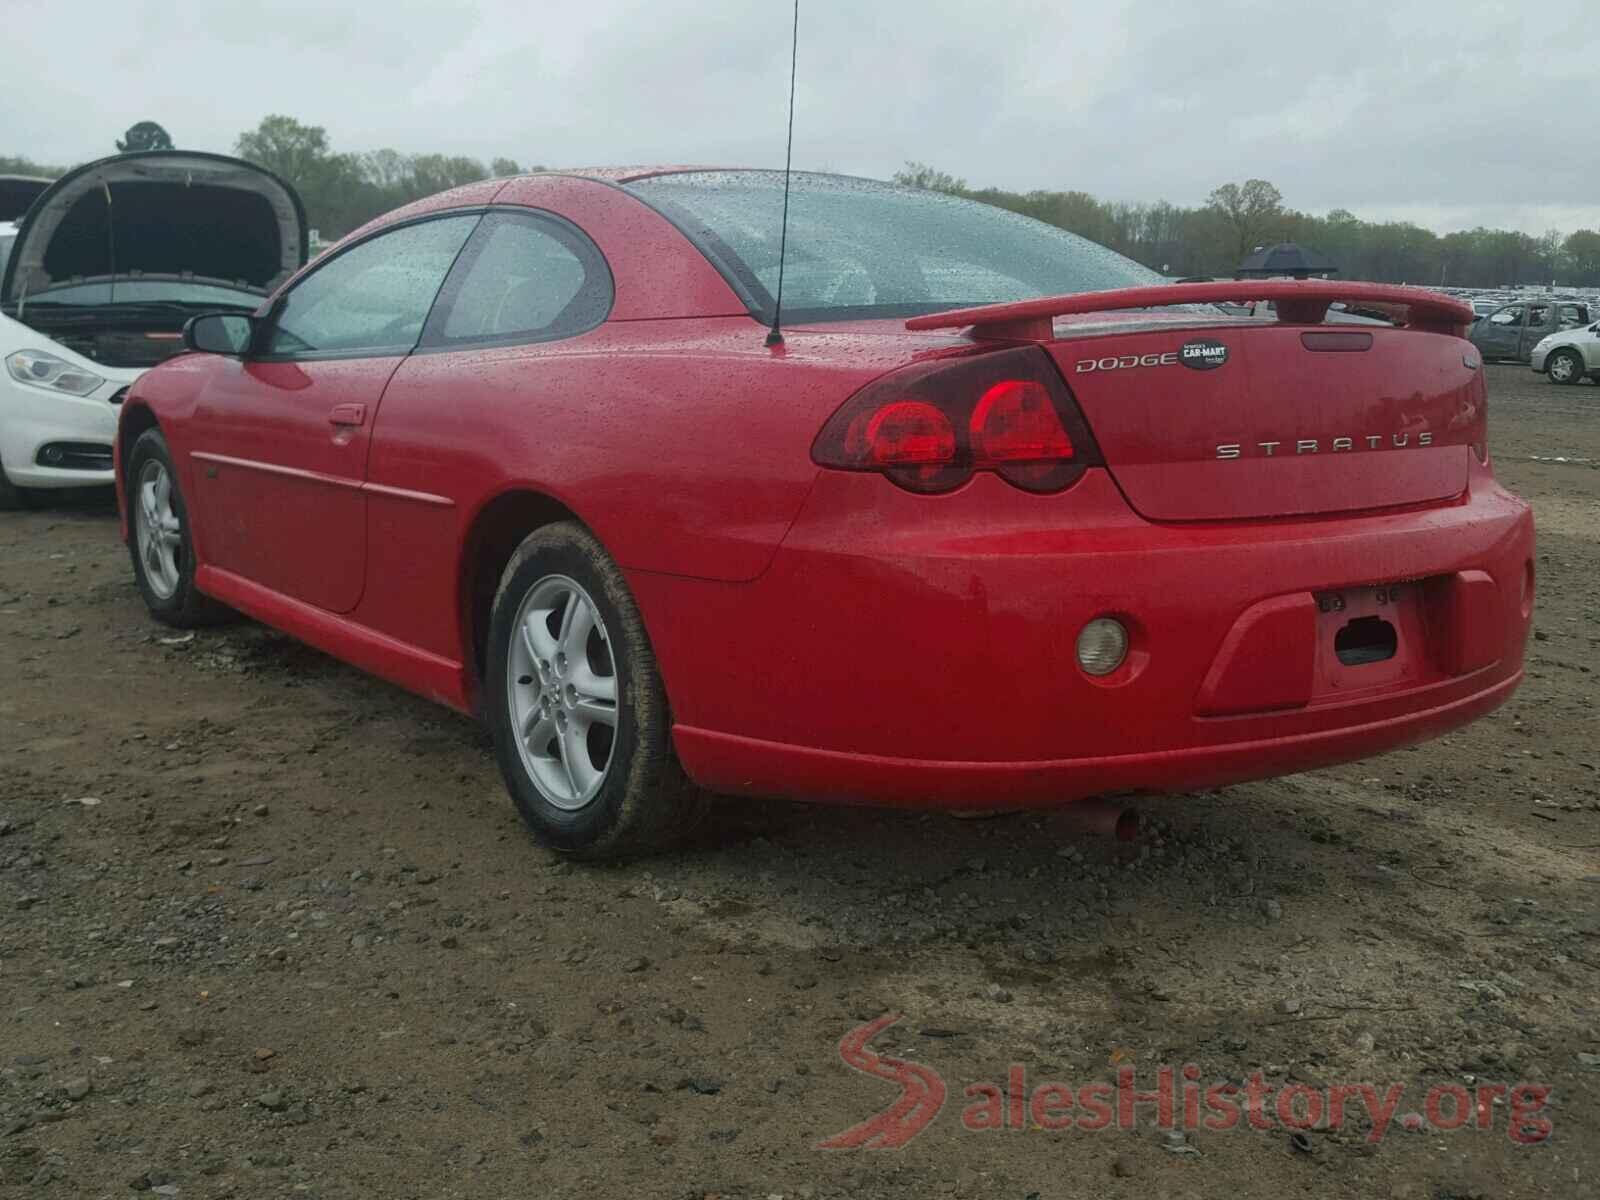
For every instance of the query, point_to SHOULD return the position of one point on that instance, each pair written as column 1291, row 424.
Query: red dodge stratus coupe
column 1002, row 520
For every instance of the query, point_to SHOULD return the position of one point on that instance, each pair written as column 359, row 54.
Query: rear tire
column 1564, row 366
column 160, row 540
column 576, row 705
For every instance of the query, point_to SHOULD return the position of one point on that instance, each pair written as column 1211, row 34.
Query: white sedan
column 99, row 277
column 1569, row 355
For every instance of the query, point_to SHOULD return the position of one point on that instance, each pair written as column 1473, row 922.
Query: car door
column 502, row 349
column 1540, row 324
column 279, row 439
column 1499, row 335
column 1588, row 342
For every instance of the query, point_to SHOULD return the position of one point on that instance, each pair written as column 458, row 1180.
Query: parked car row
column 1556, row 336
column 102, row 268
column 1511, row 331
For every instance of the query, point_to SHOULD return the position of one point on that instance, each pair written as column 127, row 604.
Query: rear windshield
column 860, row 249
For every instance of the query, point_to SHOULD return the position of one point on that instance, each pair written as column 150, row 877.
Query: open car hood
column 174, row 214
column 17, row 192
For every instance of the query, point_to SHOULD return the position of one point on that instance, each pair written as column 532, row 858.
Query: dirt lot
column 269, row 927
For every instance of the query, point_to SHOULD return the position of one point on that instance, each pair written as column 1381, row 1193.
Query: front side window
column 860, row 249
column 523, row 277
column 373, row 298
column 1507, row 316
column 1539, row 315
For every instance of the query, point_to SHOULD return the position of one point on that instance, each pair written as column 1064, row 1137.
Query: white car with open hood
column 103, row 270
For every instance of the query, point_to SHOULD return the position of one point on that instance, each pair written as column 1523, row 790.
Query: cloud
column 1434, row 106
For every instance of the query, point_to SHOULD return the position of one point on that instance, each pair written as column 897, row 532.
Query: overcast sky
column 1452, row 113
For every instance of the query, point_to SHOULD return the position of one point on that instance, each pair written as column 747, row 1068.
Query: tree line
column 343, row 190
column 340, row 190
column 1215, row 237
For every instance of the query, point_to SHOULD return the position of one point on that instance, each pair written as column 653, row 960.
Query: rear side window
column 523, row 277
column 859, row 249
column 374, row 297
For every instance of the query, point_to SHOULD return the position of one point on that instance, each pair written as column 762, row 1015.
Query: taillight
column 903, row 433
column 929, row 426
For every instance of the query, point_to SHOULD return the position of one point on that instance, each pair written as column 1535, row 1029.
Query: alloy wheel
column 1561, row 368
column 562, row 692
column 158, row 530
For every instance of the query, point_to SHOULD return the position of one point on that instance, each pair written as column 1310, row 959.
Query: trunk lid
column 1204, row 420
column 1278, row 420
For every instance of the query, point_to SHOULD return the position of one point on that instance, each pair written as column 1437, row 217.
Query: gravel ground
column 269, row 927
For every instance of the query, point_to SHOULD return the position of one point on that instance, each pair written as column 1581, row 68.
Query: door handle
column 348, row 414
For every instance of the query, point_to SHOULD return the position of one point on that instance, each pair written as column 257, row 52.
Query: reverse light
column 930, row 426
column 1102, row 646
column 41, row 370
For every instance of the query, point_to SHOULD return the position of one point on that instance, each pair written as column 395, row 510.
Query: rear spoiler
column 1298, row 301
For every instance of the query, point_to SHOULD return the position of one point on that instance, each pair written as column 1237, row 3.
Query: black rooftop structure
column 1286, row 258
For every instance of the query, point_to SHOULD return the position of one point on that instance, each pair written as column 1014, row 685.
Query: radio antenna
column 775, row 336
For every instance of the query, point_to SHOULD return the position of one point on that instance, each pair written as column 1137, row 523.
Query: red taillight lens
column 904, row 433
column 1014, row 421
column 911, row 441
column 929, row 426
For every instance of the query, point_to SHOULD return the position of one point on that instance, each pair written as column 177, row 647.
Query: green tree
column 145, row 135
column 387, row 169
column 1582, row 250
column 286, row 147
column 1249, row 210
column 335, row 188
column 432, row 173
column 921, row 175
column 17, row 164
column 343, row 191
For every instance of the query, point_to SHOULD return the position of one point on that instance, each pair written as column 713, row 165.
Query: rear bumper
column 921, row 651
column 729, row 763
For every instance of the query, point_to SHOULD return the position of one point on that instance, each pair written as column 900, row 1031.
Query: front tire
column 161, row 543
column 576, row 705
column 1564, row 366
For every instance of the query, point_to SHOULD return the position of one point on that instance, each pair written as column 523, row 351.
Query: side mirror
column 220, row 333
